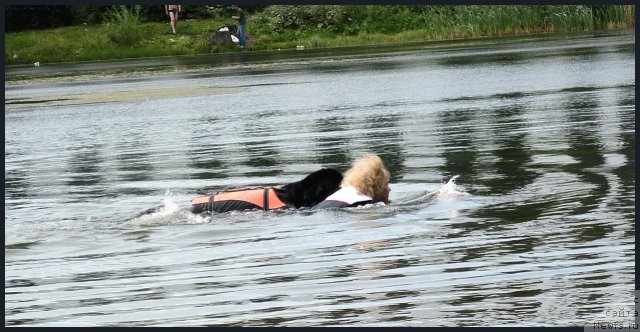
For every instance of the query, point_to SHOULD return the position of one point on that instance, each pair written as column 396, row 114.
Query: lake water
column 540, row 131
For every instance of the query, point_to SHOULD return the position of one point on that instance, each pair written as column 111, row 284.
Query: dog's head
column 313, row 189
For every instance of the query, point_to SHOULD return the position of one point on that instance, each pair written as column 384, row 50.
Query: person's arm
column 179, row 8
column 166, row 9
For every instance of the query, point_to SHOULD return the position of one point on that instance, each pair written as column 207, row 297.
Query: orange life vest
column 262, row 198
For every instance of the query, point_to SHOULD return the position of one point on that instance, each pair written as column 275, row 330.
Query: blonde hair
column 369, row 176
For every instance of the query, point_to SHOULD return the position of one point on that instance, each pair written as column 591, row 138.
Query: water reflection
column 86, row 174
column 514, row 302
column 513, row 154
column 84, row 166
column 135, row 165
column 14, row 283
column 267, row 298
column 384, row 137
column 375, row 66
column 521, row 245
column 142, row 235
column 262, row 158
column 129, row 274
column 133, row 161
column 276, row 279
column 16, row 184
column 20, row 245
column 511, row 149
column 340, row 316
column 244, row 57
column 332, row 142
column 342, row 271
column 585, row 146
column 524, row 300
column 397, row 312
column 580, row 52
column 207, row 153
column 626, row 172
column 491, row 58
column 459, row 151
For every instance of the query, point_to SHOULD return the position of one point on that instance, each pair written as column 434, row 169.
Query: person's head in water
column 370, row 177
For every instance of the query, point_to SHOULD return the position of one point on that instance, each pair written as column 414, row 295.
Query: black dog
column 308, row 192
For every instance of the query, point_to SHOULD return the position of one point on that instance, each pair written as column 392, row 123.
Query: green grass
column 123, row 35
column 82, row 43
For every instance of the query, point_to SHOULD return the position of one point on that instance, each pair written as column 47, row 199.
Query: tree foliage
column 36, row 17
column 347, row 19
column 28, row 17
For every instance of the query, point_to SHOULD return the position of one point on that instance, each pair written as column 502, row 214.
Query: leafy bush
column 281, row 18
column 388, row 19
column 124, row 25
column 207, row 12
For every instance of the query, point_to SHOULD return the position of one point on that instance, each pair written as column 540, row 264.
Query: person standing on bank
column 172, row 11
column 242, row 24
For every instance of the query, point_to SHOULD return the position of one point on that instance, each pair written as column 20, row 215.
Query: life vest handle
column 237, row 189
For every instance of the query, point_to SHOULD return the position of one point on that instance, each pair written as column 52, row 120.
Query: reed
column 613, row 17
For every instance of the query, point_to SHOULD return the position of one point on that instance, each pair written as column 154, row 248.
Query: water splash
column 169, row 203
column 450, row 190
column 165, row 213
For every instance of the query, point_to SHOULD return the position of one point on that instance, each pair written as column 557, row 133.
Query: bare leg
column 174, row 20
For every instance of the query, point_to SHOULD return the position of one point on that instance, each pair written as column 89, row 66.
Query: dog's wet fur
column 311, row 190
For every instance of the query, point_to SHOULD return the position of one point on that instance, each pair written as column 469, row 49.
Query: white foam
column 450, row 190
column 165, row 214
column 170, row 205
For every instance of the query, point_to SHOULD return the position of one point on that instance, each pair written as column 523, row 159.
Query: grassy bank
column 125, row 35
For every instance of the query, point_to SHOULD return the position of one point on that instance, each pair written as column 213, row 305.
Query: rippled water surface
column 540, row 131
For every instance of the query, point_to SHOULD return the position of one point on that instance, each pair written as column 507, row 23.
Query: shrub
column 281, row 18
column 124, row 27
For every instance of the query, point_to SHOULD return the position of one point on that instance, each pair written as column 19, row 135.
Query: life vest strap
column 265, row 199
